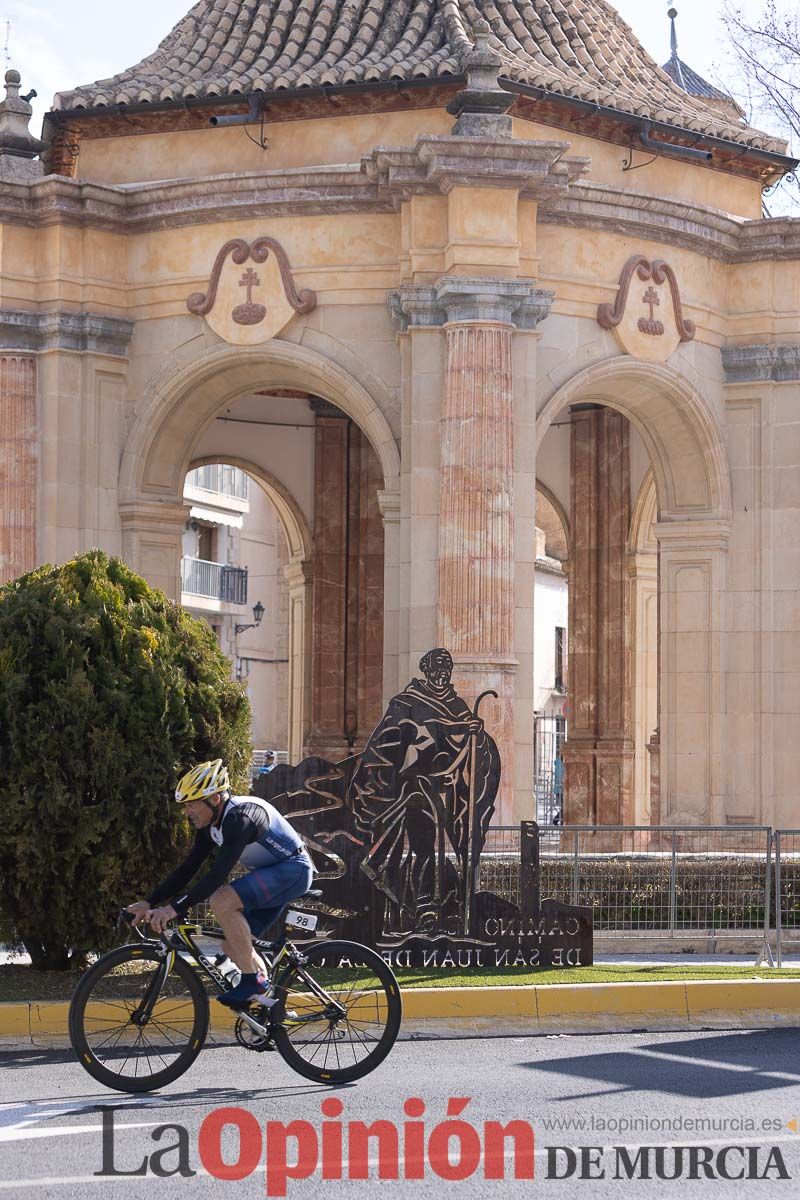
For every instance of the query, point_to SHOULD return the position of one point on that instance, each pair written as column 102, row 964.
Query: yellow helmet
column 206, row 779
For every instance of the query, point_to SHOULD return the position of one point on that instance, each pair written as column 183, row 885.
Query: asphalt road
column 51, row 1118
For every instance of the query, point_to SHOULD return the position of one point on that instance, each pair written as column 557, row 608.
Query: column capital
column 701, row 535
column 516, row 302
column 389, row 504
column 152, row 515
column 298, row 573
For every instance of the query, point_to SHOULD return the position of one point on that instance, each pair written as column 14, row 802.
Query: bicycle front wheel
column 114, row 1043
column 338, row 1014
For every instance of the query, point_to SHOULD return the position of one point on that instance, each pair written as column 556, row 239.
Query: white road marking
column 18, row 1134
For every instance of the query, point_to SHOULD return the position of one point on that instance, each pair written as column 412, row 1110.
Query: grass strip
column 21, row 983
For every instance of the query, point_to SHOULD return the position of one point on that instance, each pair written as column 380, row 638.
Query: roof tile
column 578, row 48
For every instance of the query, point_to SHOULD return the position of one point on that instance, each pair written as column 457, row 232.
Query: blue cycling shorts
column 265, row 891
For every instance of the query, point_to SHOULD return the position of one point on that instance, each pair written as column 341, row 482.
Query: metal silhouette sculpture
column 398, row 831
column 423, row 795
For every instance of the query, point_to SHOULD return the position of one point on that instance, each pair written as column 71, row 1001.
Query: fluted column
column 18, row 465
column 476, row 510
column 476, row 534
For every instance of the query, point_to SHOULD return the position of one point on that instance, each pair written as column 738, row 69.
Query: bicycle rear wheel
column 342, row 1038
column 103, row 1013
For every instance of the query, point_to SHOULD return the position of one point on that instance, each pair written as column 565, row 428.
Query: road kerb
column 535, row 1009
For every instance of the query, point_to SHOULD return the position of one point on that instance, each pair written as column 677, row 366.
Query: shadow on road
column 758, row 1061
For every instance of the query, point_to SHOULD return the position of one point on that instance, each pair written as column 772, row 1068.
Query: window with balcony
column 220, row 478
column 213, row 580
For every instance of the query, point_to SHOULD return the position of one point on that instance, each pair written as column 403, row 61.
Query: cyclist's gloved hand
column 159, row 918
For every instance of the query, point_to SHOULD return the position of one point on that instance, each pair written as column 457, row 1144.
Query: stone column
column 18, row 465
column 347, row 667
column 599, row 753
column 389, row 503
column 152, row 537
column 458, row 435
column 330, row 574
column 476, row 510
column 693, row 577
column 643, row 618
column 298, row 578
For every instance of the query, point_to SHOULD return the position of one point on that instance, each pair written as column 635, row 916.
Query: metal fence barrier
column 678, row 883
column 787, row 889
column 682, row 882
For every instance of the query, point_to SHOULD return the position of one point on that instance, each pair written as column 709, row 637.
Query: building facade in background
column 436, row 277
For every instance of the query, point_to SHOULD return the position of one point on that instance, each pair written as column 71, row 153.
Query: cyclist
column 247, row 831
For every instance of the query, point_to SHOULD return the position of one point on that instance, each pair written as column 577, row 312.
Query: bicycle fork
column 143, row 1013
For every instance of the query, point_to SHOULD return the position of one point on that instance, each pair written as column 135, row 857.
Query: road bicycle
column 140, row 1015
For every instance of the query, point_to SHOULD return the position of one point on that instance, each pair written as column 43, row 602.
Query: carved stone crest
column 270, row 297
column 633, row 315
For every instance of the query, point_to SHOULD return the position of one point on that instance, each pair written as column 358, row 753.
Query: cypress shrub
column 108, row 693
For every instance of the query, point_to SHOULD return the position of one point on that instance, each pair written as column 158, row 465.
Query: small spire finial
column 673, row 41
column 18, row 147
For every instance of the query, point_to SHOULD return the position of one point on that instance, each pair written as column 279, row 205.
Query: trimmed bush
column 108, row 693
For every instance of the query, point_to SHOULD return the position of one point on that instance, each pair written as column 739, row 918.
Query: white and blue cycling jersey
column 248, row 831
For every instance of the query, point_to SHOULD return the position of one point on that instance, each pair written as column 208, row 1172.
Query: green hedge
column 108, row 692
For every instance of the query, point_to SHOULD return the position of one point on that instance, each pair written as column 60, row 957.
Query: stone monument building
column 413, row 266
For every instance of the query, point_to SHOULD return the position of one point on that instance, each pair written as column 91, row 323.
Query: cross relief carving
column 650, row 324
column 610, row 316
column 251, row 312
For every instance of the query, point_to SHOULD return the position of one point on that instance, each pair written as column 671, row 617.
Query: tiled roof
column 576, row 48
column 690, row 81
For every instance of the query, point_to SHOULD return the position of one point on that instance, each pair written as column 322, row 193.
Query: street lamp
column 258, row 616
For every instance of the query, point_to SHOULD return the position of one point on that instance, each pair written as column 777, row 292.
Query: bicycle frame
column 167, row 946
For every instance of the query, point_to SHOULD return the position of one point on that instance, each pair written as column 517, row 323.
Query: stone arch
column 692, row 481
column 682, row 435
column 180, row 402
column 642, row 538
column 298, row 574
column 290, row 515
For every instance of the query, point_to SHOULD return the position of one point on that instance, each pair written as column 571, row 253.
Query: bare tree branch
column 765, row 48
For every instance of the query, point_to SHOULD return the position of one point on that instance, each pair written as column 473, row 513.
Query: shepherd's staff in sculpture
column 469, row 867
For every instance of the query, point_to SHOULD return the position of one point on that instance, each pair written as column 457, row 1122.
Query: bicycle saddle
column 310, row 892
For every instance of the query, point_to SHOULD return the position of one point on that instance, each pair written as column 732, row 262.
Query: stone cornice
column 21, row 329
column 386, row 178
column 516, row 302
column 708, row 231
column 56, row 200
column 761, row 364
column 435, row 165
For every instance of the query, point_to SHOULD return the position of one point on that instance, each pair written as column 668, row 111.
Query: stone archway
column 692, row 483
column 181, row 401
column 298, row 574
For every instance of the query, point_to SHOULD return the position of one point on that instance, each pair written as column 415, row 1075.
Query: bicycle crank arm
column 261, row 1030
